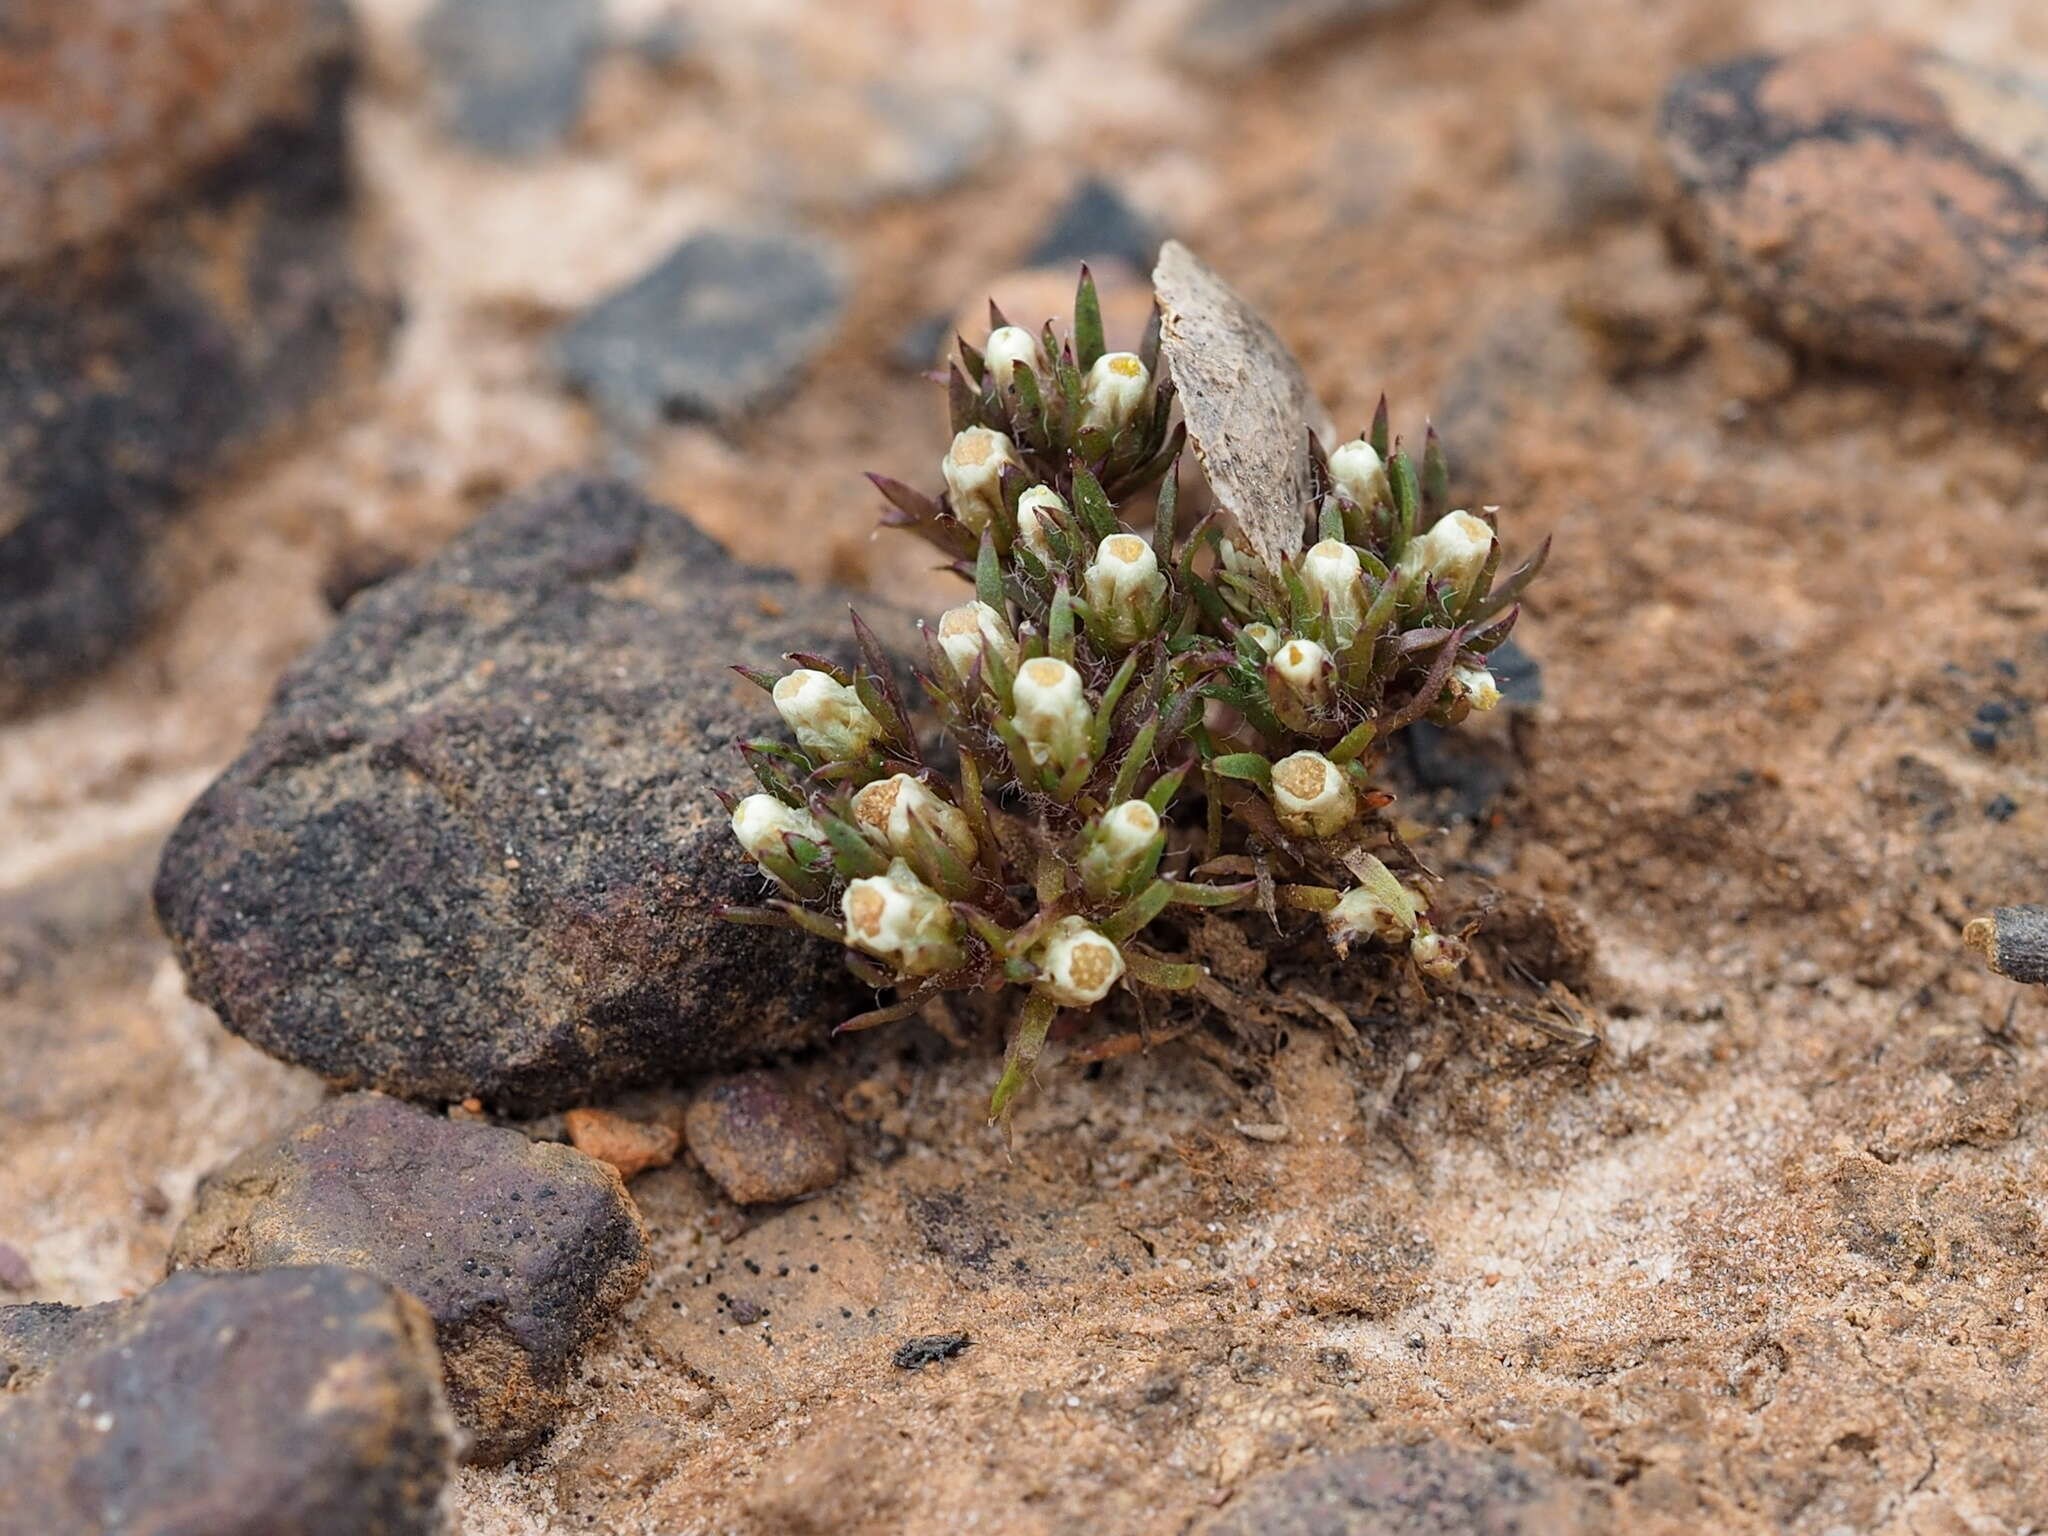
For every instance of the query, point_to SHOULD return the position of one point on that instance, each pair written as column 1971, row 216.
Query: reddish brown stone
column 1872, row 202
column 762, row 1141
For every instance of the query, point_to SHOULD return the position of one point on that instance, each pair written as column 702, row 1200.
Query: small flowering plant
column 1127, row 721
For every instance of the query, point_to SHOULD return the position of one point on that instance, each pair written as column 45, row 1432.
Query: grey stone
column 1432, row 1489
column 473, row 848
column 521, row 1251
column 512, row 73
column 1223, row 33
column 299, row 1400
column 1096, row 221
column 722, row 323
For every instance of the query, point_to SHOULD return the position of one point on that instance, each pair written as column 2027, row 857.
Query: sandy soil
column 1770, row 1261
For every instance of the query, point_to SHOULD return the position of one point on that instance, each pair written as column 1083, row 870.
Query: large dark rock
column 300, row 1400
column 473, row 848
column 112, row 104
column 1430, row 1489
column 132, row 367
column 1874, row 202
column 522, row 1251
column 722, row 323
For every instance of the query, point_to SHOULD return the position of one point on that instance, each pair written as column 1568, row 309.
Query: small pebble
column 763, row 1142
column 15, row 1274
column 631, row 1146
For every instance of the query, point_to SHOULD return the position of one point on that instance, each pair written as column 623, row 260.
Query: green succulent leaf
column 1088, row 342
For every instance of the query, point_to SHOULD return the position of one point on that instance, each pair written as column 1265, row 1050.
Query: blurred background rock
column 1741, row 303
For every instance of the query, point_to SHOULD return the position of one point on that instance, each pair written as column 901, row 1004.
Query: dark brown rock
column 300, row 1400
column 1430, row 1489
column 473, row 848
column 1873, row 202
column 133, row 369
column 521, row 1251
column 762, row 1141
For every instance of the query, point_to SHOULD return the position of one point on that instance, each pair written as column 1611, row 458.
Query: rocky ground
column 1759, row 341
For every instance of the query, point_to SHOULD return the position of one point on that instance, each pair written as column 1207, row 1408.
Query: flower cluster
column 1126, row 721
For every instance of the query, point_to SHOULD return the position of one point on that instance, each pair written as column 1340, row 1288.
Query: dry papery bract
column 1125, row 719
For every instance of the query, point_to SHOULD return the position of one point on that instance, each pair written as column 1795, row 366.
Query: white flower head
column 1303, row 667
column 898, row 918
column 884, row 810
column 1009, row 345
column 1052, row 713
column 970, row 630
column 760, row 822
column 973, row 468
column 1311, row 795
column 1117, row 391
column 1125, row 588
column 1077, row 965
column 1335, row 579
column 1038, row 509
column 828, row 717
column 1360, row 473
column 1477, row 686
column 1454, row 551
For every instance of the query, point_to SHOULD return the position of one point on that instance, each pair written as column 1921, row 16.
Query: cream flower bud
column 969, row 630
column 1303, row 667
column 1335, row 580
column 1125, row 588
column 828, row 717
column 759, row 822
column 1477, row 685
column 1264, row 636
column 898, row 918
column 884, row 809
column 1235, row 560
column 1454, row 551
column 1052, row 715
column 1009, row 345
column 1128, row 829
column 1311, row 795
column 1077, row 966
column 1117, row 392
column 1122, row 846
column 1360, row 473
column 973, row 468
column 1038, row 509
